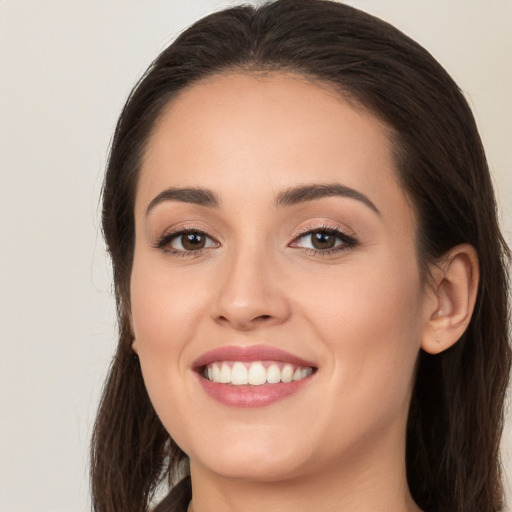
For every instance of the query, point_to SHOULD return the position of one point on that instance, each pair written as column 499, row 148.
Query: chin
column 272, row 459
column 254, row 469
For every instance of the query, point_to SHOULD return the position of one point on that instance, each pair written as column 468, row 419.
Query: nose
column 250, row 292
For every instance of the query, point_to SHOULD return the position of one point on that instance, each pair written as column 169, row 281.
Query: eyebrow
column 199, row 196
column 305, row 193
column 289, row 197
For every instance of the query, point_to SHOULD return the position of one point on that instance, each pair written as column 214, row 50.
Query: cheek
column 164, row 320
column 371, row 322
column 162, row 306
column 168, row 309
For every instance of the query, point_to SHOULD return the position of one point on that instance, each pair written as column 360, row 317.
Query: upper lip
column 249, row 353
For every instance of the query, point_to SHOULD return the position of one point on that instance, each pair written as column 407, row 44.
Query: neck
column 365, row 482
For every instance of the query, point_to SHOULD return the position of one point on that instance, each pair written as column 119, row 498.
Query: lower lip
column 251, row 396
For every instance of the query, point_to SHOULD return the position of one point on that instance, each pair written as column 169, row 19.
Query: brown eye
column 192, row 241
column 186, row 242
column 323, row 240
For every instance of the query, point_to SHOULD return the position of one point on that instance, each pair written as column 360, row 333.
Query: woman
column 311, row 281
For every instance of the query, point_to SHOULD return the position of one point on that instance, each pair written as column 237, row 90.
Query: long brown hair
column 456, row 414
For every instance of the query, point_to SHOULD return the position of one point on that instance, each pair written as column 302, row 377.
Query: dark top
column 178, row 499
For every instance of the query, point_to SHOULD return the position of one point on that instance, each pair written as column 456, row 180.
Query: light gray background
column 66, row 68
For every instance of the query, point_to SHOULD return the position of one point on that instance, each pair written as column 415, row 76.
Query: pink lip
column 250, row 353
column 250, row 396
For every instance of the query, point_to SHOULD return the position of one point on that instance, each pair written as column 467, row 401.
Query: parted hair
column 456, row 414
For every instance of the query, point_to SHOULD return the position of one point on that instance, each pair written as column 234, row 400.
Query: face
column 277, row 305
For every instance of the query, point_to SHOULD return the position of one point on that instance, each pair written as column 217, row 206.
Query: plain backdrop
column 66, row 67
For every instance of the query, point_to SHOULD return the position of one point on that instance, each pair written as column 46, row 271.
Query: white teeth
column 257, row 374
column 273, row 374
column 287, row 373
column 215, row 373
column 225, row 374
column 239, row 373
column 305, row 372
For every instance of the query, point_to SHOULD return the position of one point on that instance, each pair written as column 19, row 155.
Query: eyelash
column 347, row 241
column 164, row 242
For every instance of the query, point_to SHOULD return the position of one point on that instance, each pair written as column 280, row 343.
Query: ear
column 129, row 320
column 452, row 299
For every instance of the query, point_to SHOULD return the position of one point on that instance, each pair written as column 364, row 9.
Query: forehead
column 237, row 132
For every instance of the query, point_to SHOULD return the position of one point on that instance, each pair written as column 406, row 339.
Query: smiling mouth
column 255, row 373
column 252, row 376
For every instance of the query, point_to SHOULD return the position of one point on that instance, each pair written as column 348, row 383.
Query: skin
column 360, row 314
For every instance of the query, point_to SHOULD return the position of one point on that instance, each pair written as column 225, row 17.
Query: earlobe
column 453, row 299
column 134, row 340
